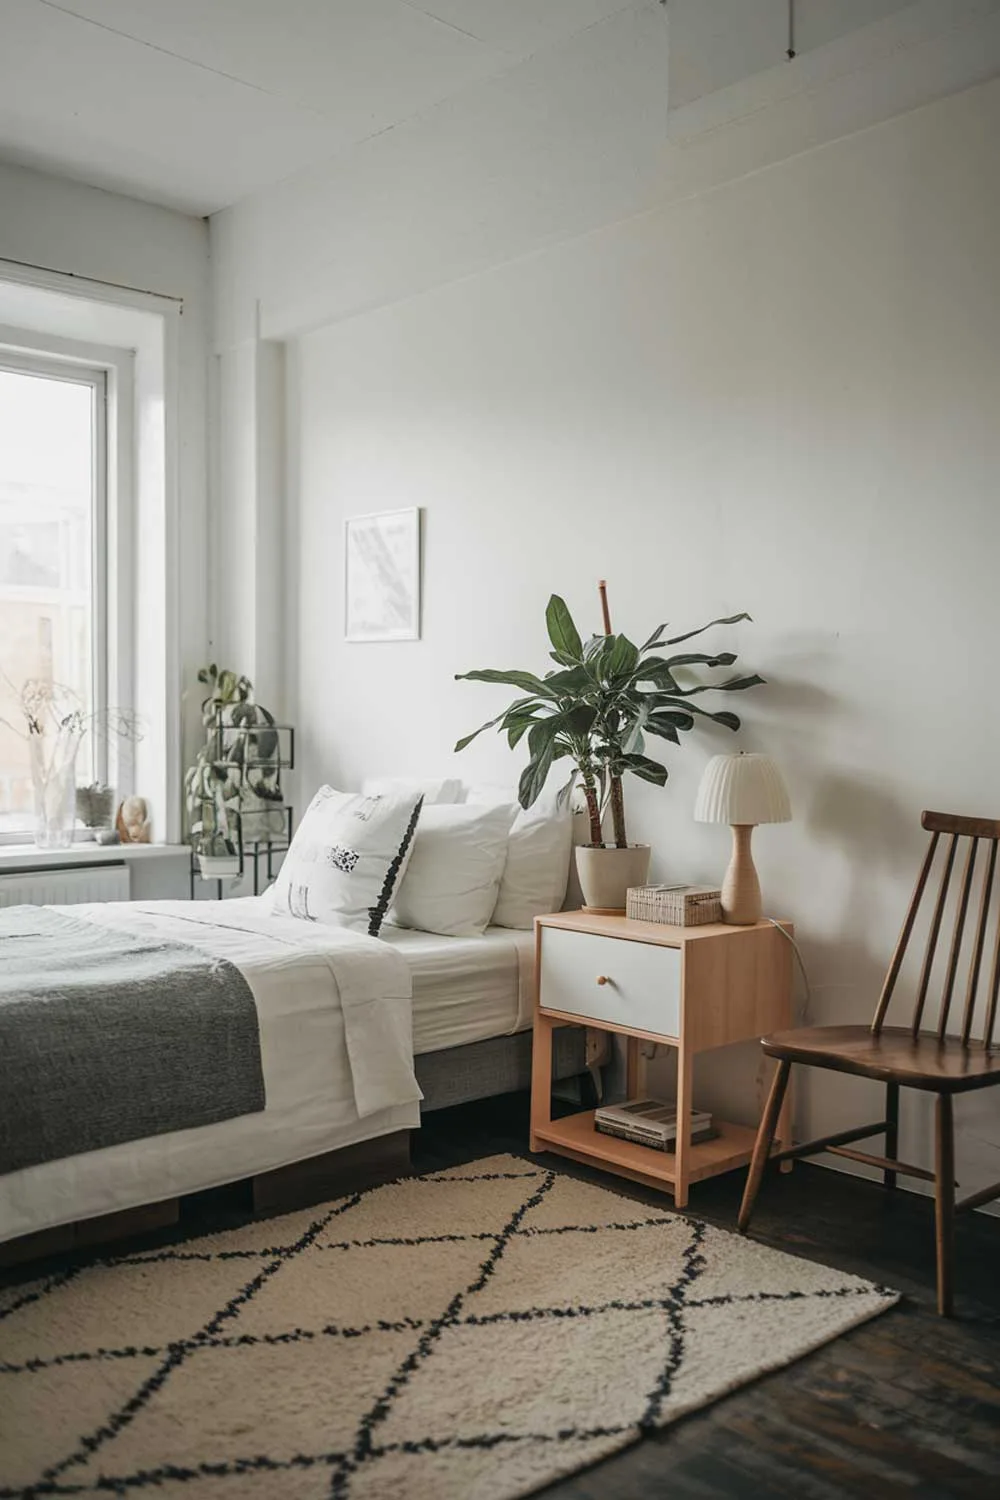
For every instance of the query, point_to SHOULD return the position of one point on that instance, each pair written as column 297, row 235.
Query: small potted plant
column 599, row 708
column 233, row 790
column 218, row 852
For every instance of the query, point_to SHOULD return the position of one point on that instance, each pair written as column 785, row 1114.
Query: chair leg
column 944, row 1201
column 762, row 1146
column 891, row 1130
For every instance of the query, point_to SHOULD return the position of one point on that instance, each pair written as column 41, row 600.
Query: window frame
column 109, row 374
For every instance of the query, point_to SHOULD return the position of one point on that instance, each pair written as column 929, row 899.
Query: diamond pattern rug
column 468, row 1335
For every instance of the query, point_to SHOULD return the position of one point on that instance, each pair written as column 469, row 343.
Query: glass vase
column 53, row 776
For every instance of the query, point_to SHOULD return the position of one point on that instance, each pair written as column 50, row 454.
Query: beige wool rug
column 472, row 1334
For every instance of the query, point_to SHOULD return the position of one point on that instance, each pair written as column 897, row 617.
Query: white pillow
column 434, row 789
column 539, row 851
column 347, row 858
column 453, row 877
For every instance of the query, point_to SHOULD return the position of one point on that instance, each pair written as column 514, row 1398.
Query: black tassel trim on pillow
column 377, row 913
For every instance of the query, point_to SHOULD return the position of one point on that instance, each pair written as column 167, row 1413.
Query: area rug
column 473, row 1334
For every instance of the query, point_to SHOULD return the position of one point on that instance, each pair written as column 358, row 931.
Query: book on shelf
column 651, row 1122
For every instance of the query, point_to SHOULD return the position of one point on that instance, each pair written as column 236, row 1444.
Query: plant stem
column 593, row 805
column 618, row 813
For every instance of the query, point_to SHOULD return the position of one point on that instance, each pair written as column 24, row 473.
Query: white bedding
column 466, row 989
column 336, row 1047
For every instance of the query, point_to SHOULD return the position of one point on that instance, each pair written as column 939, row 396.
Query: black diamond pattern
column 342, row 1466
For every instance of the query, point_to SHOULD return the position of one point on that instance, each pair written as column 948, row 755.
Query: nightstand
column 690, row 988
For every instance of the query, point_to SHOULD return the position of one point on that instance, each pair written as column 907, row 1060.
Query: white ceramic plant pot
column 606, row 874
column 218, row 866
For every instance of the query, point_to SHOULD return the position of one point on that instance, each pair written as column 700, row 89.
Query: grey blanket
column 106, row 1036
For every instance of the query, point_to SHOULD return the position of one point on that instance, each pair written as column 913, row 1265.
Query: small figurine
column 132, row 822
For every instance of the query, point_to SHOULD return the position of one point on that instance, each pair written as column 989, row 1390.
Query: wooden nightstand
column 692, row 988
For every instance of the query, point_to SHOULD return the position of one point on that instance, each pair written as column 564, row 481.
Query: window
column 53, row 606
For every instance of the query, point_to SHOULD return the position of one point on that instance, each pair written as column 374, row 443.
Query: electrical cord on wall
column 762, row 1069
column 801, row 961
column 649, row 1049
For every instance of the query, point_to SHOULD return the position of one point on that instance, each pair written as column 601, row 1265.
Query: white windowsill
column 28, row 857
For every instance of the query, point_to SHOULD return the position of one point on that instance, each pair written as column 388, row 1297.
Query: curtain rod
column 118, row 286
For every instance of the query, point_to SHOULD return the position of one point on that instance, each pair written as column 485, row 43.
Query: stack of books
column 651, row 1122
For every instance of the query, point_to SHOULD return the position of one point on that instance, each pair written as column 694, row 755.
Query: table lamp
column 742, row 790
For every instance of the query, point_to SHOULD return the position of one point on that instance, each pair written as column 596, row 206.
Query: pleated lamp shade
column 744, row 788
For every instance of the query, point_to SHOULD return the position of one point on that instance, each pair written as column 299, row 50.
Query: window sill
column 28, row 857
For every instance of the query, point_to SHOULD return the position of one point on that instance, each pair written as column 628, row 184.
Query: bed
column 471, row 1009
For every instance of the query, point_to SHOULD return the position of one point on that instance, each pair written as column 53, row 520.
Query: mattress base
column 349, row 1169
column 499, row 1065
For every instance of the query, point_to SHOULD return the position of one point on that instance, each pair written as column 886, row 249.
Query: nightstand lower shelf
column 575, row 1136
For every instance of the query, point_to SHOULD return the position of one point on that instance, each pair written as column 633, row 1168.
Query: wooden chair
column 908, row 1057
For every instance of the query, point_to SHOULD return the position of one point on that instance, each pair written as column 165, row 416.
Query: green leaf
column 534, row 776
column 644, row 768
column 563, row 633
column 621, row 658
column 660, row 714
column 724, row 620
column 526, row 681
column 664, row 729
column 521, row 707
column 578, row 721
column 654, row 638
column 575, row 680
column 542, row 733
column 721, row 716
column 565, row 792
column 516, row 730
column 655, row 669
column 699, row 659
column 734, row 685
column 467, row 739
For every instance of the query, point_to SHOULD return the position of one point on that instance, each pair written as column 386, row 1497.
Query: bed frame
column 458, row 1075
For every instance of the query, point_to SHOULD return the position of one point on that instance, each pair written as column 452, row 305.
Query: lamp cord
column 801, row 961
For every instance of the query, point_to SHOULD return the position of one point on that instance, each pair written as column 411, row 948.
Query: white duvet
column 334, row 1009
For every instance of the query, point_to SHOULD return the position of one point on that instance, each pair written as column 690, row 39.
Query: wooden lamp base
column 741, row 903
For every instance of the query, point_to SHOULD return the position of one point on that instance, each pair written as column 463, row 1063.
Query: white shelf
column 27, row 857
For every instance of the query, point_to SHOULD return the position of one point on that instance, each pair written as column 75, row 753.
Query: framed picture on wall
column 382, row 576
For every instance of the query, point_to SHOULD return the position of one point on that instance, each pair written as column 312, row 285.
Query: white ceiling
column 198, row 103
column 201, row 104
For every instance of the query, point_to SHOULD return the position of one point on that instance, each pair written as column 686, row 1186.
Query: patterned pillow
column 347, row 858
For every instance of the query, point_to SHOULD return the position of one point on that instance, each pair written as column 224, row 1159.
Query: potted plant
column 599, row 707
column 233, row 790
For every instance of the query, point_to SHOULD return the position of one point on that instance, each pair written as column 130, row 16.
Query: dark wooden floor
column 907, row 1405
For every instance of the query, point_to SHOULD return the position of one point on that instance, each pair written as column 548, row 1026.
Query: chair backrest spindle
column 957, row 828
column 904, row 936
column 956, row 939
column 977, row 952
column 932, row 937
column 991, row 1010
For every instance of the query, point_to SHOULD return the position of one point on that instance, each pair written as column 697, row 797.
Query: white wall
column 576, row 135
column 779, row 396
column 80, row 232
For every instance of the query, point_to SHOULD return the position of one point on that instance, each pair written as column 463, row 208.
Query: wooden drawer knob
column 603, row 979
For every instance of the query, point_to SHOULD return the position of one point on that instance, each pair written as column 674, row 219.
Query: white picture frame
column 382, row 576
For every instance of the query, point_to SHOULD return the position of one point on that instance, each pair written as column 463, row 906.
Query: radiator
column 65, row 887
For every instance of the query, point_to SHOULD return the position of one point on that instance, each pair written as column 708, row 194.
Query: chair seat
column 895, row 1056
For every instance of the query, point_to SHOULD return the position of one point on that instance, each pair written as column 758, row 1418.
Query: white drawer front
column 642, row 985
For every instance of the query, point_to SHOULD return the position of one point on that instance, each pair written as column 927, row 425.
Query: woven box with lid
column 678, row 905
